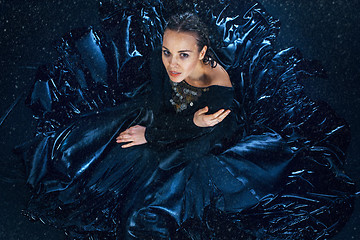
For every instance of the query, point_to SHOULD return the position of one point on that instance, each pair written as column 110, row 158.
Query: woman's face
column 180, row 55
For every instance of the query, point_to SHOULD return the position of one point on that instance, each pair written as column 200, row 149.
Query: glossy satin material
column 275, row 175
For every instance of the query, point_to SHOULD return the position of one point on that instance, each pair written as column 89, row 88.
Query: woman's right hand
column 201, row 119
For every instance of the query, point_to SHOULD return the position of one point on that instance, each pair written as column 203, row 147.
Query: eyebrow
column 181, row 51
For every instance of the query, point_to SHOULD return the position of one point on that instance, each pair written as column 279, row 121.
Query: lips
column 174, row 74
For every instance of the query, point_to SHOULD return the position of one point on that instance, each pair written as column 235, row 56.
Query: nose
column 173, row 62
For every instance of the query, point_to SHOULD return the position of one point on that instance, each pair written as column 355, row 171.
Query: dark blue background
column 322, row 29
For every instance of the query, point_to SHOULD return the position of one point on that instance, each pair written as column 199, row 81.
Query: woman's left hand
column 201, row 119
column 134, row 135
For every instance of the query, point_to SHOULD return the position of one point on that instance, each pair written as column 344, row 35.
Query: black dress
column 270, row 170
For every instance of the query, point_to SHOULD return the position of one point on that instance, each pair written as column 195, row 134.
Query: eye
column 166, row 53
column 184, row 55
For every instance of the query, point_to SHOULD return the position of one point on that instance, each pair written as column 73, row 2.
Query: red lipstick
column 174, row 74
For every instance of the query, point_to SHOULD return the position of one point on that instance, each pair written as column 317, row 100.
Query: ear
column 202, row 53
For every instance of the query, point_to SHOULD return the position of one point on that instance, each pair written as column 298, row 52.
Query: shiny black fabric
column 272, row 170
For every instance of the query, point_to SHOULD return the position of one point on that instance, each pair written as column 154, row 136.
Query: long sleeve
column 170, row 127
column 167, row 129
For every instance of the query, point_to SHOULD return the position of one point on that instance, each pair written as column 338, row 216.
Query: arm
column 169, row 128
column 164, row 130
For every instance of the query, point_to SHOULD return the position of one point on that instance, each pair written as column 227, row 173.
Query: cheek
column 189, row 66
column 164, row 61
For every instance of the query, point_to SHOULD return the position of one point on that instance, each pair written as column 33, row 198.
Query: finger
column 124, row 136
column 123, row 140
column 124, row 132
column 218, row 113
column 128, row 145
column 223, row 115
column 203, row 110
column 220, row 118
column 130, row 130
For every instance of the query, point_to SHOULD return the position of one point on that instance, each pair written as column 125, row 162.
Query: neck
column 198, row 78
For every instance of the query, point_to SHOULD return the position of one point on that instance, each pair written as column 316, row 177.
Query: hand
column 201, row 119
column 133, row 136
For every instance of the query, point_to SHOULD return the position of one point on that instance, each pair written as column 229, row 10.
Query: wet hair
column 189, row 22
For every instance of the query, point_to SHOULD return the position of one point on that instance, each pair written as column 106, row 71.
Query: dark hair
column 189, row 22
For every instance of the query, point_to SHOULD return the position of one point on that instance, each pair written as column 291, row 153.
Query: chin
column 176, row 80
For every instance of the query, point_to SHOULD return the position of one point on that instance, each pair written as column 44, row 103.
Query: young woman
column 185, row 160
column 163, row 135
column 184, row 56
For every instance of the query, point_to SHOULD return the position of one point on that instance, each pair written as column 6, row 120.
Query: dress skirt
column 272, row 170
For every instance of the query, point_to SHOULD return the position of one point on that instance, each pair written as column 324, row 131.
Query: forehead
column 177, row 41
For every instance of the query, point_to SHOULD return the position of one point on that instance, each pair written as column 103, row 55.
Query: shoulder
column 220, row 77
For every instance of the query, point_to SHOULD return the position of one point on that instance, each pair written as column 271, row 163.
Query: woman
column 184, row 52
column 193, row 98
column 185, row 165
